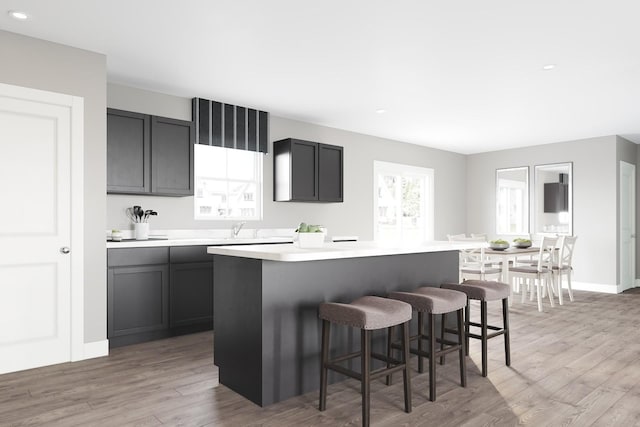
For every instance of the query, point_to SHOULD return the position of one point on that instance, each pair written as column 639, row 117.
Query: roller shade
column 230, row 126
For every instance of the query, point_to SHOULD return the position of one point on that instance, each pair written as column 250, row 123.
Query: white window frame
column 259, row 182
column 380, row 167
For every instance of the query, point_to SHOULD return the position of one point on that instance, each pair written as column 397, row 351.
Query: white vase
column 310, row 240
column 141, row 230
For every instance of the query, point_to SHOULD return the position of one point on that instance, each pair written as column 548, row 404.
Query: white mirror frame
column 560, row 223
column 523, row 211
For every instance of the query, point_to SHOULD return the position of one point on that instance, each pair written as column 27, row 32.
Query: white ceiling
column 463, row 76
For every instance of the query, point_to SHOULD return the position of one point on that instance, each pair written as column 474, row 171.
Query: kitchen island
column 266, row 297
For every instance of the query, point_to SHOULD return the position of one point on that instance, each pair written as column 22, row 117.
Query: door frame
column 630, row 167
column 76, row 106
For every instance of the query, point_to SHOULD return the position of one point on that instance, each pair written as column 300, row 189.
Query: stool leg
column 420, row 335
column 406, row 374
column 461, row 342
column 432, row 358
column 467, row 319
column 365, row 354
column 483, row 323
column 389, row 350
column 507, row 345
column 444, row 321
column 326, row 326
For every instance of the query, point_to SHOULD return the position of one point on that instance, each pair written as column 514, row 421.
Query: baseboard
column 96, row 349
column 593, row 287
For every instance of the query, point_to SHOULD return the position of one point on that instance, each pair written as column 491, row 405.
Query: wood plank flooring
column 578, row 365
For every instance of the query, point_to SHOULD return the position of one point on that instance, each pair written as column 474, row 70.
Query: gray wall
column 594, row 198
column 53, row 67
column 353, row 217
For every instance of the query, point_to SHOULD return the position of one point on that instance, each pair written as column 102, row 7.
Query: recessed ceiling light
column 549, row 67
column 16, row 14
column 381, row 111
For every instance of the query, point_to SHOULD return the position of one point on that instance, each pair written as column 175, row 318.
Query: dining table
column 509, row 254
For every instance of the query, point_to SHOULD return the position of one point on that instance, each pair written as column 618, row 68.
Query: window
column 403, row 203
column 512, row 201
column 228, row 183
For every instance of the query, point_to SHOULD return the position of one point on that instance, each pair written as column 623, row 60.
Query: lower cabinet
column 138, row 299
column 191, row 294
column 155, row 293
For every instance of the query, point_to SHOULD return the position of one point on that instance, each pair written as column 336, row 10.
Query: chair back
column 565, row 254
column 454, row 237
column 474, row 258
column 482, row 236
column 547, row 254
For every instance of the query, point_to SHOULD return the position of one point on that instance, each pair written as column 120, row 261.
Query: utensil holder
column 141, row 230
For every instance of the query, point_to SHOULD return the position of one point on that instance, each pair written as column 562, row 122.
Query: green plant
column 308, row 228
column 499, row 242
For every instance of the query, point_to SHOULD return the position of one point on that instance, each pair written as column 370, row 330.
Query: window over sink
column 228, row 184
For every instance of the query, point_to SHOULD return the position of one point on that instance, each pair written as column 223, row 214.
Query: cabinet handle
column 64, row 250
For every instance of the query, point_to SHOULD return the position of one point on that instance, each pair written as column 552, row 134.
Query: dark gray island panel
column 268, row 344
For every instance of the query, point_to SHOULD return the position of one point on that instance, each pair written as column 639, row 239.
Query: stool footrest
column 493, row 335
column 333, row 365
column 493, row 328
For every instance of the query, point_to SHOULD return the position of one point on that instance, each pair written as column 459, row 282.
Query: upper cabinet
column 306, row 171
column 128, row 152
column 148, row 154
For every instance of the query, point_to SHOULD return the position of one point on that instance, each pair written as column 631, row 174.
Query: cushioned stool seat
column 437, row 301
column 434, row 301
column 366, row 313
column 484, row 291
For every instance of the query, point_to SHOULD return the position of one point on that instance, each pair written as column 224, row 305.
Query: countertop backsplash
column 245, row 233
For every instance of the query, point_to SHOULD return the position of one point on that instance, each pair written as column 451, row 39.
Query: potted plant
column 310, row 236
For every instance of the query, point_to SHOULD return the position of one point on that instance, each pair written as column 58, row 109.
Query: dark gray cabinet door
column 304, row 170
column 172, row 156
column 138, row 299
column 128, row 152
column 191, row 293
column 330, row 169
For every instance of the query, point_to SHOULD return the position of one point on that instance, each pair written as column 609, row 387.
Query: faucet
column 236, row 228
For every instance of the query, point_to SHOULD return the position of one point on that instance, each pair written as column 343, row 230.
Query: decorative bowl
column 499, row 246
column 522, row 245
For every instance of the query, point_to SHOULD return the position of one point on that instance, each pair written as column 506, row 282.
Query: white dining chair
column 539, row 275
column 474, row 264
column 562, row 266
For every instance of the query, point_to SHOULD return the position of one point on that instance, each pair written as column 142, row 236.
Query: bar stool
column 433, row 301
column 484, row 291
column 367, row 314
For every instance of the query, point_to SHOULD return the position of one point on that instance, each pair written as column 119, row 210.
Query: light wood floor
column 578, row 364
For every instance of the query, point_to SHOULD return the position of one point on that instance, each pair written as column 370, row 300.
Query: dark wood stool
column 484, row 291
column 366, row 313
column 434, row 301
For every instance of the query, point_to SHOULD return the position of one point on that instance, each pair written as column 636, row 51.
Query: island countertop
column 336, row 250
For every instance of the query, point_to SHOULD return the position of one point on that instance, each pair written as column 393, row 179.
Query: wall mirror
column 553, row 199
column 512, row 201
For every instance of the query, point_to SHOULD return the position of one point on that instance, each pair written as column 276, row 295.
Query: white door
column 627, row 236
column 36, row 133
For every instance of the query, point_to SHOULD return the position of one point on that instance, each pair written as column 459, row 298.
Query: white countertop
column 337, row 250
column 198, row 241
